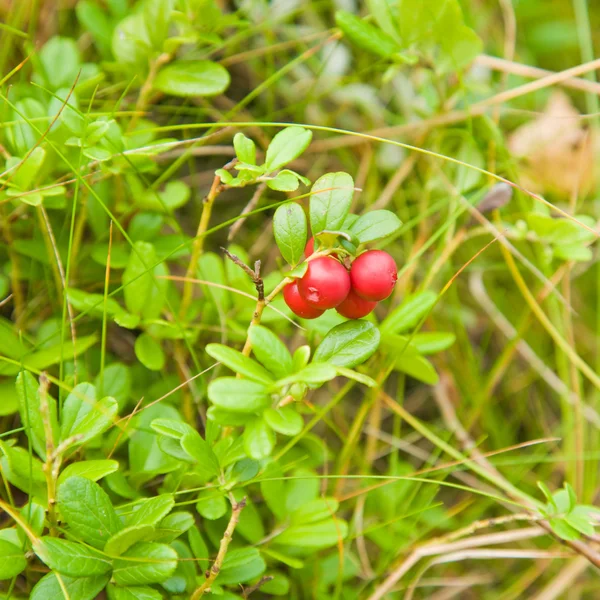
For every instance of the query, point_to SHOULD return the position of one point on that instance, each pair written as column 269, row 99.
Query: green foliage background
column 163, row 435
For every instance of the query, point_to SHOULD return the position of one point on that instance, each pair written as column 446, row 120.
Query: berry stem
column 213, row 572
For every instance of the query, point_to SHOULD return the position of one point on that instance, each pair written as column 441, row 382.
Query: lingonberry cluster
column 353, row 293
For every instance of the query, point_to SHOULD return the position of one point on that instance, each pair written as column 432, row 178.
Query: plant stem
column 215, row 189
column 48, row 464
column 213, row 572
column 146, row 89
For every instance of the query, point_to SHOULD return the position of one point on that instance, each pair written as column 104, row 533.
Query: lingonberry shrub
column 179, row 423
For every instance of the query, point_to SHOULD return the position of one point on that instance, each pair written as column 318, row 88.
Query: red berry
column 298, row 304
column 325, row 284
column 355, row 307
column 309, row 248
column 373, row 275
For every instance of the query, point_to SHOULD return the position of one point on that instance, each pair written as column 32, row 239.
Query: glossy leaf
column 348, row 344
column 290, row 230
column 152, row 510
column 71, row 558
column 145, row 563
column 192, row 78
column 88, row 511
column 270, row 351
column 375, row 225
column 286, row 146
column 238, row 395
column 149, row 352
column 409, row 313
column 82, row 588
column 331, row 197
column 237, row 362
column 12, row 560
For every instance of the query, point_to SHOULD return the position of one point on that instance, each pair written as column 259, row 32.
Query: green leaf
column 237, row 362
column 290, row 230
column 149, row 352
column 301, row 357
column 548, row 494
column 314, row 511
column 60, row 62
column 563, row 529
column 115, row 381
column 416, row 366
column 360, row 377
column 144, row 290
column 88, row 511
column 315, row 373
column 211, row 505
column 365, row 35
column 409, row 313
column 85, row 416
column 286, row 146
column 259, row 439
column 270, row 351
column 245, row 148
column 145, row 563
column 175, row 195
column 23, row 470
column 95, row 20
column 116, row 592
column 575, row 252
column 202, row 453
column 431, row 342
column 70, row 558
column 29, row 168
column 199, row 547
column 157, row 15
column 375, row 225
column 131, row 43
column 581, row 523
column 238, row 395
column 173, row 526
column 152, row 510
column 12, row 560
column 241, row 565
column 42, row 359
column 313, row 535
column 121, row 541
column 348, row 344
column 31, row 412
column 284, row 181
column 385, row 17
column 146, row 459
column 331, row 197
column 284, row 420
column 171, row 428
column 82, row 588
column 192, row 78
column 428, row 24
column 10, row 399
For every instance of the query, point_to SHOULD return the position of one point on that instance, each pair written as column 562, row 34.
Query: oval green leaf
column 192, row 78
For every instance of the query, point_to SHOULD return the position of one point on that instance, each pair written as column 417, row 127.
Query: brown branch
column 257, row 585
column 215, row 569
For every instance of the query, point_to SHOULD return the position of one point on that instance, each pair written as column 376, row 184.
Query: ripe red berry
column 309, row 248
column 298, row 304
column 325, row 284
column 355, row 307
column 373, row 275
